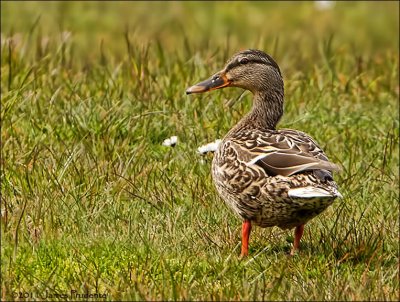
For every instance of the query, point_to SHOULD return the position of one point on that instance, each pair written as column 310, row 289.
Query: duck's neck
column 267, row 110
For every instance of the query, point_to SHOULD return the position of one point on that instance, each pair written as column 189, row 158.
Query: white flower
column 211, row 147
column 324, row 5
column 170, row 142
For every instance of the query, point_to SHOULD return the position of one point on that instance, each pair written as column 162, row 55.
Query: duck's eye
column 243, row 61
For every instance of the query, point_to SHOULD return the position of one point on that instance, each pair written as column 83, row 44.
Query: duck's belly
column 264, row 200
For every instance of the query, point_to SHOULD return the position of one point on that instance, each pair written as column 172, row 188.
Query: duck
column 267, row 176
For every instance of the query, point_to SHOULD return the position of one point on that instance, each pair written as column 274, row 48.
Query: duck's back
column 274, row 177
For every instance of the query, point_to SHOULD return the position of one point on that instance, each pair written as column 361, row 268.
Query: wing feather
column 282, row 152
column 287, row 164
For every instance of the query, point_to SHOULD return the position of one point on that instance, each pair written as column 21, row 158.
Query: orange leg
column 246, row 229
column 297, row 236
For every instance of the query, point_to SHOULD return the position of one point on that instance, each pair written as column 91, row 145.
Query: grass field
column 92, row 203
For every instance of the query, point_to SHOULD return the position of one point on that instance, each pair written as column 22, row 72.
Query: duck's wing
column 281, row 152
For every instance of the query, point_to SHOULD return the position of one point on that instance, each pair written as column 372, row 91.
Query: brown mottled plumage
column 266, row 176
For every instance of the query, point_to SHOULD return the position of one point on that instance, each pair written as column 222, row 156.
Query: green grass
column 90, row 199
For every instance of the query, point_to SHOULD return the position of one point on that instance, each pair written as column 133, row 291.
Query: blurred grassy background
column 214, row 25
column 92, row 201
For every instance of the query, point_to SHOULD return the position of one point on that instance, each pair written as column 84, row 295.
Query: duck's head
column 251, row 69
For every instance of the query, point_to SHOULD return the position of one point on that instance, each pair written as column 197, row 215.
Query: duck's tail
column 313, row 192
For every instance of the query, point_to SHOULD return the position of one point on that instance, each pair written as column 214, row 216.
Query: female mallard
column 268, row 177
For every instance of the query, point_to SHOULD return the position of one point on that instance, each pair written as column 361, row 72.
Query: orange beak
column 219, row 80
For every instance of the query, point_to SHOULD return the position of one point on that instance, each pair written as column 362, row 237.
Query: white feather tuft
column 312, row 192
column 211, row 147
